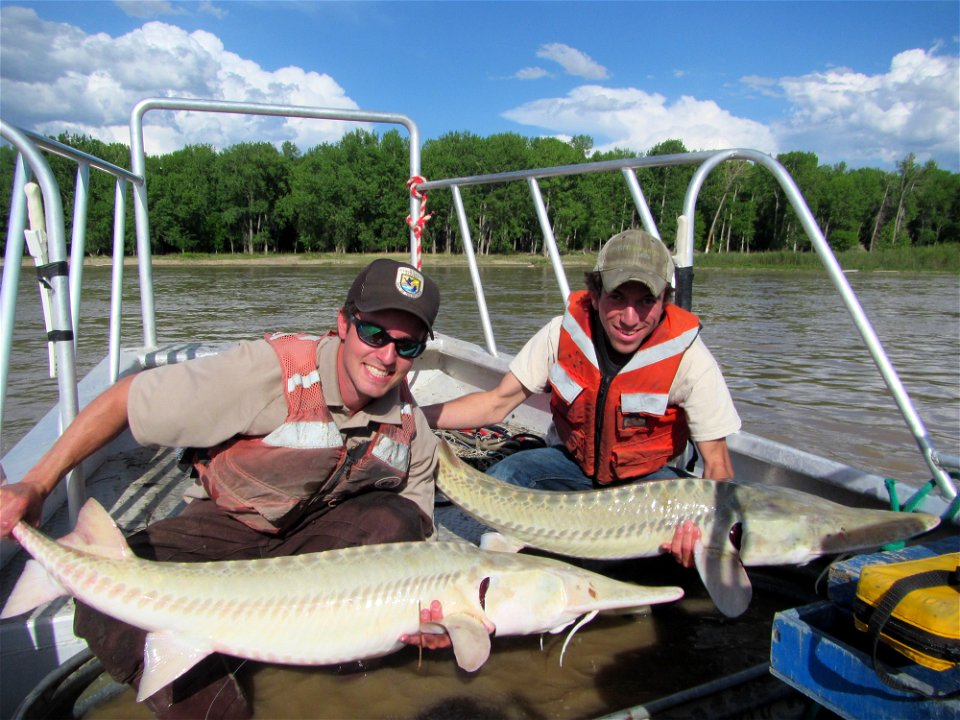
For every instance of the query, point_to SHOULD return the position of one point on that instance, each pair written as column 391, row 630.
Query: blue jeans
column 550, row 468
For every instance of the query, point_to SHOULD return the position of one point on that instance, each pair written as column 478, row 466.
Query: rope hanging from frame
column 417, row 224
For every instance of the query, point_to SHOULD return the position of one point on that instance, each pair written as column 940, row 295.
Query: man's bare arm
column 480, row 408
column 96, row 425
column 717, row 464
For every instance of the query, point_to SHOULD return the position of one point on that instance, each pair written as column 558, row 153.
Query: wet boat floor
column 137, row 486
column 611, row 664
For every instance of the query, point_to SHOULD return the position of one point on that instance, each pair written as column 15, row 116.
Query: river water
column 798, row 374
column 792, row 357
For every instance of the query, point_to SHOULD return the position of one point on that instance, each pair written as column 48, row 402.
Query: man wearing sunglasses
column 630, row 381
column 310, row 443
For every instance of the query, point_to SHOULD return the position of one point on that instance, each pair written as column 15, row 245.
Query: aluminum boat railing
column 706, row 162
column 138, row 164
column 60, row 281
column 65, row 288
column 64, row 279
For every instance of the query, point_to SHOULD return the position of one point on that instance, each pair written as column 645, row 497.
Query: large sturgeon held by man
column 741, row 524
column 313, row 609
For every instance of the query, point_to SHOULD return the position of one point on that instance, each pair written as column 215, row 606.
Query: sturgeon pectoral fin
column 499, row 543
column 725, row 579
column 432, row 628
column 470, row 638
column 165, row 658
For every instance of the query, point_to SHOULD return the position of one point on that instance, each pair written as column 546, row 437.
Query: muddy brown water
column 796, row 369
column 791, row 355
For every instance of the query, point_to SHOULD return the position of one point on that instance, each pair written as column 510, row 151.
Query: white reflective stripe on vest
column 393, row 453
column 303, row 336
column 304, row 381
column 580, row 339
column 305, row 435
column 566, row 386
column 650, row 403
column 650, row 356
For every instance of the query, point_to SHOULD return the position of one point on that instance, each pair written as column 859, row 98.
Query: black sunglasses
column 375, row 336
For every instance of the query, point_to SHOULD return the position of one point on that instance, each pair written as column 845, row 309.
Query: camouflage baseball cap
column 635, row 255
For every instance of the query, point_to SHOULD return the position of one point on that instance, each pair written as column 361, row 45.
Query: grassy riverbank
column 935, row 258
column 939, row 258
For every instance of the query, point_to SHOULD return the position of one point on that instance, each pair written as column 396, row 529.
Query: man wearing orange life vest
column 311, row 444
column 630, row 382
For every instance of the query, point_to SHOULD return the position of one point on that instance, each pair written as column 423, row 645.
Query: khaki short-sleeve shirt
column 206, row 401
column 699, row 387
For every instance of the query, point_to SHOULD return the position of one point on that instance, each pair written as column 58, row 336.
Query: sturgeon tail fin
column 35, row 587
column 95, row 533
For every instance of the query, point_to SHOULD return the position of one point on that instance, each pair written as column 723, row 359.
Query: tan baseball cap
column 635, row 255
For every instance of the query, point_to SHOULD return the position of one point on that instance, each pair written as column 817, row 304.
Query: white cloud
column 208, row 8
column 147, row 9
column 151, row 9
column 761, row 84
column 531, row 73
column 573, row 61
column 839, row 114
column 632, row 119
column 56, row 78
column 846, row 115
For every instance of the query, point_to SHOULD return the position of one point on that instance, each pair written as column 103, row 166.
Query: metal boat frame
column 450, row 367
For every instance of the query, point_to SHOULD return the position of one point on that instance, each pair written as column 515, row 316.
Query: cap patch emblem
column 409, row 282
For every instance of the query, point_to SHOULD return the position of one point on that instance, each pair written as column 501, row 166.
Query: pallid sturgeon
column 312, row 609
column 741, row 524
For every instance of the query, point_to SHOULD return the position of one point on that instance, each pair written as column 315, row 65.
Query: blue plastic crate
column 815, row 650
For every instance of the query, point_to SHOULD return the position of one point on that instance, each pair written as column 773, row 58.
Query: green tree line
column 350, row 196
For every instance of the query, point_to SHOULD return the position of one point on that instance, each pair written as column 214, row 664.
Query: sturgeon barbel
column 741, row 524
column 312, row 609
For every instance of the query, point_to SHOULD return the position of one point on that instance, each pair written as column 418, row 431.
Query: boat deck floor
column 140, row 485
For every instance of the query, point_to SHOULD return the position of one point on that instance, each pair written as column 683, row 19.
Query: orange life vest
column 269, row 482
column 638, row 431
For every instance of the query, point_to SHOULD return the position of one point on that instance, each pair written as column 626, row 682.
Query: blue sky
column 864, row 82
